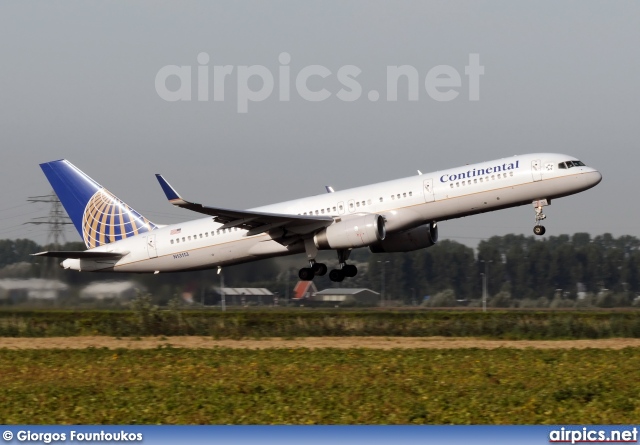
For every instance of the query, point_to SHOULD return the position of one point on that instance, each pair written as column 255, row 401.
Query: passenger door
column 536, row 170
column 429, row 196
column 152, row 250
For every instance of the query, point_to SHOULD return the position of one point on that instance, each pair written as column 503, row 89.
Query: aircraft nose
column 593, row 178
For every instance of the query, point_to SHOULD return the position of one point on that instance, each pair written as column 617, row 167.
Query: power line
column 56, row 220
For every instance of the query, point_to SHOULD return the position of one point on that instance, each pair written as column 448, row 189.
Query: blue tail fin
column 99, row 216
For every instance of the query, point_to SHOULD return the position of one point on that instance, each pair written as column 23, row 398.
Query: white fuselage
column 404, row 203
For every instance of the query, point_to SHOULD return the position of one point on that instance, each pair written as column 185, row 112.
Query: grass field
column 323, row 386
column 516, row 325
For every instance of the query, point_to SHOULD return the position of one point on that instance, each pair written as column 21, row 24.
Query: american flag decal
column 174, row 231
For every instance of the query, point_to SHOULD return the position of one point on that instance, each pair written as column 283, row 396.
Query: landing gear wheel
column 349, row 270
column 538, row 205
column 539, row 230
column 306, row 274
column 336, row 275
column 319, row 269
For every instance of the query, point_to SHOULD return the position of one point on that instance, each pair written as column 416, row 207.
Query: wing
column 82, row 255
column 254, row 222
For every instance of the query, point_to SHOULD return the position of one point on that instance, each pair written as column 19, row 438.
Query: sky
column 79, row 80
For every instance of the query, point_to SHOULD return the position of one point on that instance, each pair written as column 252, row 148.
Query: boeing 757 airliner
column 394, row 216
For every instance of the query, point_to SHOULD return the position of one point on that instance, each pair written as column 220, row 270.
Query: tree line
column 518, row 267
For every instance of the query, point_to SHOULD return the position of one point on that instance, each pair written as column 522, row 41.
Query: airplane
column 395, row 216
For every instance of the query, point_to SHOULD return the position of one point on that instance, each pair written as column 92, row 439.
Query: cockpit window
column 570, row 164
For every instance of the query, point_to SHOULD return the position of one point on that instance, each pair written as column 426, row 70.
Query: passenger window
column 493, row 177
column 340, row 206
column 510, row 173
column 171, row 241
column 451, row 185
column 462, row 182
column 317, row 212
column 480, row 179
column 457, row 184
column 404, row 195
column 381, row 199
column 393, row 197
column 183, row 239
column 189, row 237
column 334, row 208
column 410, row 193
column 475, row 181
column 398, row 195
column 322, row 211
column 201, row 235
column 358, row 204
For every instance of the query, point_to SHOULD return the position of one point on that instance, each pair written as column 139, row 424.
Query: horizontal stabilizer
column 82, row 255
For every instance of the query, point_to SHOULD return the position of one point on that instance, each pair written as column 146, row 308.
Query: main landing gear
column 346, row 271
column 319, row 269
column 314, row 269
column 539, row 229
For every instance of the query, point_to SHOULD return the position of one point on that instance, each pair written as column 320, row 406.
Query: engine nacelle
column 413, row 239
column 352, row 232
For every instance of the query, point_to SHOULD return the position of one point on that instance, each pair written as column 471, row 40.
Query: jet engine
column 413, row 239
column 352, row 232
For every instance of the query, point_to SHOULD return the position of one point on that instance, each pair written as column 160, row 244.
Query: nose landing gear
column 539, row 229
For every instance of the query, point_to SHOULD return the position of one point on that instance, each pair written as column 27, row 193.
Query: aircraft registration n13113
column 393, row 216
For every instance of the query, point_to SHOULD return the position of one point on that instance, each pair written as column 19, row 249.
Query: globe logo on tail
column 107, row 219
